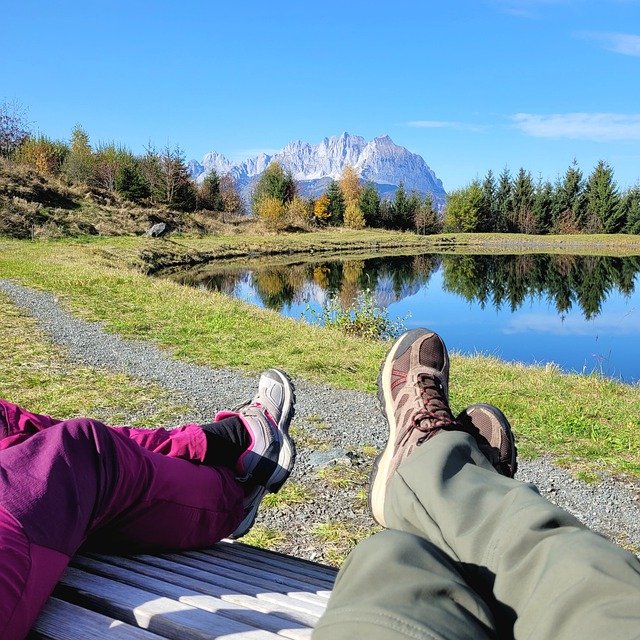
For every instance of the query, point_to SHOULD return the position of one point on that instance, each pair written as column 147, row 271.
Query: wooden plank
column 231, row 586
column 255, row 578
column 301, row 566
column 165, row 616
column 61, row 620
column 201, row 581
column 284, row 625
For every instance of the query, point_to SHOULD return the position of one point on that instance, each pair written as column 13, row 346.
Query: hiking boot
column 269, row 460
column 492, row 432
column 413, row 391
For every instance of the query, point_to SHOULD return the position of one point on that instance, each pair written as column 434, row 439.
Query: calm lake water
column 580, row 312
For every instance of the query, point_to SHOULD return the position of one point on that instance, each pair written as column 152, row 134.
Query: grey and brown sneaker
column 269, row 460
column 492, row 432
column 413, row 391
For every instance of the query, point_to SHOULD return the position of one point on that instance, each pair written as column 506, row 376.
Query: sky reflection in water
column 577, row 317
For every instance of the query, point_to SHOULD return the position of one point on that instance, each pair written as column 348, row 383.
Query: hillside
column 34, row 206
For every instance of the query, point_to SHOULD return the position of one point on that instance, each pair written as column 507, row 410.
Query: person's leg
column 440, row 478
column 79, row 480
column 396, row 585
column 552, row 576
column 80, row 477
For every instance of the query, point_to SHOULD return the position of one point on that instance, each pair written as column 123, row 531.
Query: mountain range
column 379, row 161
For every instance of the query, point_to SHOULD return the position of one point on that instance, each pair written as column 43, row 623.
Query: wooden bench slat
column 201, row 581
column 231, row 585
column 278, row 622
column 254, row 577
column 165, row 616
column 60, row 619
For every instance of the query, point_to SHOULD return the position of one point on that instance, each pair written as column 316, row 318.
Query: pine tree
column 503, row 201
column 523, row 220
column 130, row 183
column 370, row 205
column 209, row 193
column 631, row 207
column 79, row 165
column 276, row 183
column 568, row 199
column 603, row 200
column 336, row 203
column 543, row 206
column 490, row 214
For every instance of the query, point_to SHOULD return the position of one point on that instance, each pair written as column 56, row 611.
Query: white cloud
column 600, row 127
column 628, row 44
column 445, row 124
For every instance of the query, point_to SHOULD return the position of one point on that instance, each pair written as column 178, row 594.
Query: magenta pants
column 67, row 483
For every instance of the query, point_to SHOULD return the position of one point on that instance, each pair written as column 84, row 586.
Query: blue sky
column 470, row 85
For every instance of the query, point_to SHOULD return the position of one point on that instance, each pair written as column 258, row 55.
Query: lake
column 581, row 313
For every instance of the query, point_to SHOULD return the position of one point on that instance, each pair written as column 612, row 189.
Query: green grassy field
column 592, row 424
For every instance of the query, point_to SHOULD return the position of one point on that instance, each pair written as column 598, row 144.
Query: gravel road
column 337, row 432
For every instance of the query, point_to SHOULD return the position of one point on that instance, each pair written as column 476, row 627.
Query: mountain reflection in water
column 580, row 312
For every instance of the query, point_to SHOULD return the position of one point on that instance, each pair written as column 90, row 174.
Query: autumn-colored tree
column 353, row 218
column 299, row 211
column 350, row 185
column 231, row 199
column 321, row 209
column 47, row 156
column 272, row 213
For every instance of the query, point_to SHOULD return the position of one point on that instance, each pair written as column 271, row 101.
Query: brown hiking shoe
column 492, row 432
column 413, row 390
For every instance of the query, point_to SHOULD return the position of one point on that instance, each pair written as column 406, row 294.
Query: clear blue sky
column 470, row 85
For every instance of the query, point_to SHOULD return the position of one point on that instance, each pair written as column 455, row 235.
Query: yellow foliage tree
column 321, row 208
column 272, row 213
column 350, row 185
column 353, row 216
column 299, row 211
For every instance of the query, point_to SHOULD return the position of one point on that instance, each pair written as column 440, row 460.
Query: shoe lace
column 434, row 415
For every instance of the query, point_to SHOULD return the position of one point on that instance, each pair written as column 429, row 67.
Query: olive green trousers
column 472, row 554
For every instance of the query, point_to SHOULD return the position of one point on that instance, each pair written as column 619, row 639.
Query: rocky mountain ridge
column 379, row 161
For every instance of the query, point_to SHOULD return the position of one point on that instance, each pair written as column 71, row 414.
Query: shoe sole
column 286, row 457
column 378, row 481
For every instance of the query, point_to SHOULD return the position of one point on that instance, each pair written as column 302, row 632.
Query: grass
column 593, row 422
column 338, row 538
column 264, row 537
column 39, row 376
column 291, row 494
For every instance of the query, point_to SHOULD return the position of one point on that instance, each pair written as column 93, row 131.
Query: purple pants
column 67, row 483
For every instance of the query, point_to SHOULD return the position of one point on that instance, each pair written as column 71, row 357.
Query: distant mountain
column 380, row 161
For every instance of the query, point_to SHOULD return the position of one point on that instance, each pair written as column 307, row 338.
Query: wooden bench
column 228, row 591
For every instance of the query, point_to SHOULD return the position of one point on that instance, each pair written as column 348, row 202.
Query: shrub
column 364, row 318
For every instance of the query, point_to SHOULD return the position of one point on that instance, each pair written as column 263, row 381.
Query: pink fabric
column 29, row 573
column 67, row 483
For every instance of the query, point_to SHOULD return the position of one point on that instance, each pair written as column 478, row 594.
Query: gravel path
column 336, row 431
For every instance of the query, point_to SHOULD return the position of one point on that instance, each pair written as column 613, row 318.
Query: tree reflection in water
column 499, row 281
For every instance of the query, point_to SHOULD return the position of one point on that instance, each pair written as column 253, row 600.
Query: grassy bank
column 592, row 424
